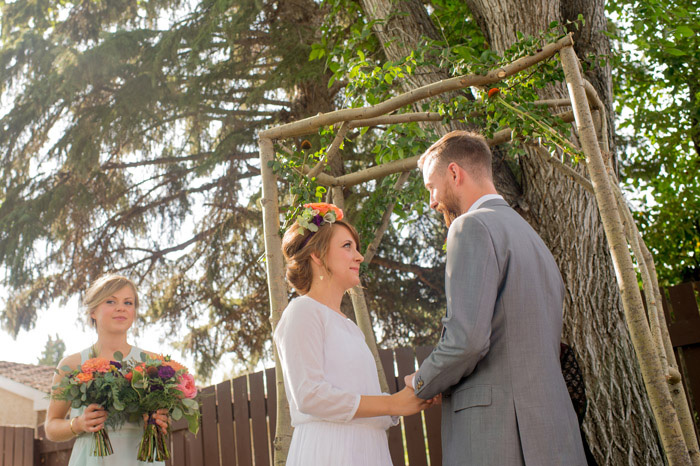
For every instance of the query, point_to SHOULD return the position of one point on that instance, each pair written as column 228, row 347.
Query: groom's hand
column 434, row 401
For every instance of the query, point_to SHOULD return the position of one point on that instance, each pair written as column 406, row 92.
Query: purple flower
column 166, row 372
column 116, row 364
column 317, row 220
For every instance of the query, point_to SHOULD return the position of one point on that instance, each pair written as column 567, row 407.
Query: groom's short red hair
column 467, row 149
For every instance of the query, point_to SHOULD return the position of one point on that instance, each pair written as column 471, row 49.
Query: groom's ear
column 455, row 173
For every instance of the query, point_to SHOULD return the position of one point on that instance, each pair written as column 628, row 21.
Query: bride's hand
column 407, row 403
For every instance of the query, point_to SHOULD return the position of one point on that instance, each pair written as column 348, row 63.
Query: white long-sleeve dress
column 327, row 367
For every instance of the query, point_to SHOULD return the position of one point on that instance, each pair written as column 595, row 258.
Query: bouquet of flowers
column 99, row 381
column 162, row 383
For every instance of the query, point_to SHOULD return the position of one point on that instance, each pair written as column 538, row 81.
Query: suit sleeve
column 471, row 283
column 299, row 342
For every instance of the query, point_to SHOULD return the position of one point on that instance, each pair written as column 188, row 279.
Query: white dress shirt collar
column 482, row 199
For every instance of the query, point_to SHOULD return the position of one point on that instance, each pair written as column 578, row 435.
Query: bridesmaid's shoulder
column 71, row 361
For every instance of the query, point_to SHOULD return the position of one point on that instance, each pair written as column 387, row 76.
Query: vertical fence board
column 193, row 447
column 209, row 427
column 683, row 303
column 261, row 451
column 2, row 445
column 177, row 452
column 28, row 447
column 396, row 450
column 413, row 425
column 224, row 411
column 432, row 416
column 9, row 445
column 271, row 403
column 684, row 329
column 386, row 356
column 241, row 414
column 18, row 450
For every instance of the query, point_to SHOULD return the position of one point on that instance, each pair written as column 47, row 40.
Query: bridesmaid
column 111, row 302
column 338, row 411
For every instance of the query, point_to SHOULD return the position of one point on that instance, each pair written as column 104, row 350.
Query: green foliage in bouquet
column 161, row 383
column 99, row 381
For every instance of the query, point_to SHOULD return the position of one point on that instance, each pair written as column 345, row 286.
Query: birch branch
column 311, row 124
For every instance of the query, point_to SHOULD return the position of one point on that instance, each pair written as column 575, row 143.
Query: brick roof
column 38, row 377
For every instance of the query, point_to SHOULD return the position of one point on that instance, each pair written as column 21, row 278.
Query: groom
column 497, row 363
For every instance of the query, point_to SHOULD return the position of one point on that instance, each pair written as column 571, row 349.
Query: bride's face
column 343, row 259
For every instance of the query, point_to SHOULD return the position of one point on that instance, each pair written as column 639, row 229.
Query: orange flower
column 493, row 91
column 129, row 376
column 140, row 367
column 323, row 208
column 84, row 377
column 95, row 365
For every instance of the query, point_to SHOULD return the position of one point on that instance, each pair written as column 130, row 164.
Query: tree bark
column 619, row 424
column 400, row 27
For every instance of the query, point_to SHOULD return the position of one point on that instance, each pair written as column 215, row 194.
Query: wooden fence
column 238, row 416
column 683, row 318
column 238, row 426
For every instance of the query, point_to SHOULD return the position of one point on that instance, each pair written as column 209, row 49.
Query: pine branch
column 420, row 272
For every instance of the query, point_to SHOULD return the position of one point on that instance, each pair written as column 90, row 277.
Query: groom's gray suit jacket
column 505, row 401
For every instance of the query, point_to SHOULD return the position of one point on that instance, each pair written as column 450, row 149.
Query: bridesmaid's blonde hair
column 103, row 288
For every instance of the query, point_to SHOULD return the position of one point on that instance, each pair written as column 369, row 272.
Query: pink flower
column 186, row 386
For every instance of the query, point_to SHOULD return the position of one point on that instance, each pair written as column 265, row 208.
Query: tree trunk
column 619, row 422
column 400, row 28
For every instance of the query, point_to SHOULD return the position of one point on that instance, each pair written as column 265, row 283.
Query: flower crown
column 316, row 214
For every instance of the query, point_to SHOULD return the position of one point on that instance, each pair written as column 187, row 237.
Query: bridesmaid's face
column 343, row 259
column 117, row 312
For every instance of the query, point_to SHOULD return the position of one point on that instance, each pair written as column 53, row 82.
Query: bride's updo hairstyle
column 103, row 288
column 299, row 243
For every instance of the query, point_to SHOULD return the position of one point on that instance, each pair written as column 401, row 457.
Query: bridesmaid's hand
column 93, row 419
column 161, row 418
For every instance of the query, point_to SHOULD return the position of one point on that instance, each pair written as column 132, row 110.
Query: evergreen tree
column 53, row 352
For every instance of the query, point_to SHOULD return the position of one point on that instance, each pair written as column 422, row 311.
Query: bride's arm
column 300, row 338
column 403, row 403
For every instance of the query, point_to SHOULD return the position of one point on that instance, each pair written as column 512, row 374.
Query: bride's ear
column 316, row 259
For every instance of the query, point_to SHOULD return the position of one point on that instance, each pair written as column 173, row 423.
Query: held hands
column 162, row 419
column 92, row 420
column 436, row 400
column 406, row 403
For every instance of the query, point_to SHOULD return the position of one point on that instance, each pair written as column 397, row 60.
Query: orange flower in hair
column 316, row 214
column 323, row 208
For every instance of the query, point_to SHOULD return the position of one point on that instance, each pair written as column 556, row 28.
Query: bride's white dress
column 327, row 366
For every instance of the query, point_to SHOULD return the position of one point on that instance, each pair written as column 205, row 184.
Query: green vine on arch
column 509, row 105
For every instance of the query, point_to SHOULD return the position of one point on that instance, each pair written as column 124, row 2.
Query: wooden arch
column 647, row 329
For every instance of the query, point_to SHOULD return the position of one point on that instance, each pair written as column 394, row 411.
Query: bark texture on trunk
column 619, row 423
column 400, row 28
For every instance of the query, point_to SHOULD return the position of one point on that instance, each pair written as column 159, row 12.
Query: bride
column 338, row 411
